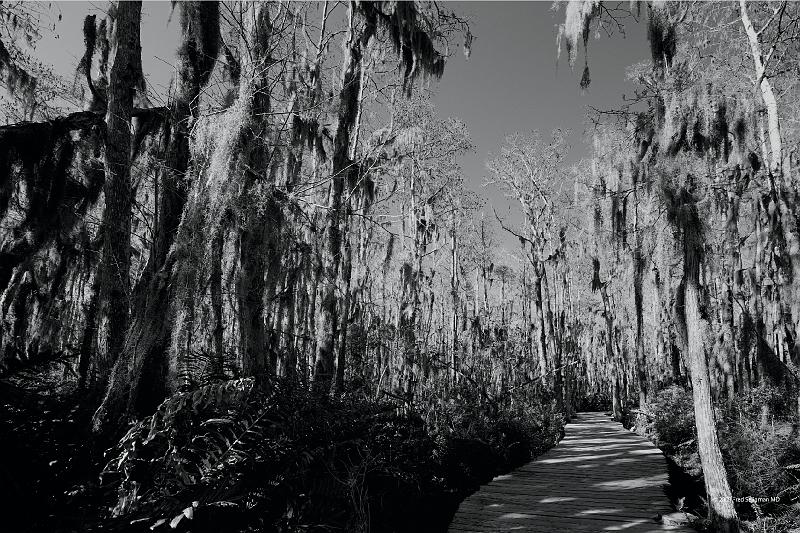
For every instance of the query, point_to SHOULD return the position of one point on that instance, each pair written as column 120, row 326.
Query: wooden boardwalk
column 600, row 477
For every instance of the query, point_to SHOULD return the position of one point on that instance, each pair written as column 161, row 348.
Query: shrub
column 673, row 426
column 595, row 402
column 752, row 403
column 762, row 459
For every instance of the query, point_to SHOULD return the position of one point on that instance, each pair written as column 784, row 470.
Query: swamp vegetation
column 271, row 304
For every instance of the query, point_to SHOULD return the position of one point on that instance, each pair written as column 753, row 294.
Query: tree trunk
column 89, row 340
column 767, row 94
column 455, row 303
column 140, row 372
column 714, row 475
column 347, row 271
column 124, row 77
column 359, row 34
column 215, row 283
column 638, row 270
column 541, row 340
column 259, row 247
column 611, row 356
column 730, row 288
column 555, row 349
column 250, row 297
column 720, row 501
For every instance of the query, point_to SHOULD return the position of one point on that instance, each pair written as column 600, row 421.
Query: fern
column 180, row 454
column 235, row 457
column 229, row 445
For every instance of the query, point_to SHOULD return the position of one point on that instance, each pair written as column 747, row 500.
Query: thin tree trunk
column 555, row 349
column 616, row 401
column 89, row 338
column 767, row 94
column 455, row 303
column 215, row 283
column 359, row 34
column 541, row 340
column 638, row 303
column 714, row 475
column 124, row 77
column 347, row 270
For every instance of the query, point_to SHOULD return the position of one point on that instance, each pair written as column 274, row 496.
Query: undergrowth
column 228, row 457
column 760, row 447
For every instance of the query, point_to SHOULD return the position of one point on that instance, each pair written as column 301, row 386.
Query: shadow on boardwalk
column 600, row 477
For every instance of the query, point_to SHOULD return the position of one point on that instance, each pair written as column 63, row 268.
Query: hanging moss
column 682, row 214
column 703, row 121
column 586, row 78
column 201, row 27
column 48, row 189
column 412, row 41
column 643, row 133
column 578, row 18
column 85, row 64
column 314, row 134
column 614, row 217
column 103, row 46
column 619, row 215
column 755, row 161
column 596, row 283
column 51, row 183
column 661, row 33
column 598, row 218
column 39, row 154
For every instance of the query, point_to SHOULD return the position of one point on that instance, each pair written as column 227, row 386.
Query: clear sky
column 64, row 47
column 509, row 84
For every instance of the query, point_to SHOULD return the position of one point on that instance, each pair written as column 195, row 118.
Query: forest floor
column 47, row 455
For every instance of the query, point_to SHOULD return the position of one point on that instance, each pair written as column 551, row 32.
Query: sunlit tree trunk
column 786, row 198
column 554, row 348
column 611, row 355
column 358, row 37
column 714, row 475
column 346, row 278
column 638, row 303
column 454, row 299
column 259, row 233
column 720, row 501
column 541, row 339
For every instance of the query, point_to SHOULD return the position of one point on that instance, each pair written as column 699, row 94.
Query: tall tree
column 530, row 170
column 359, row 33
column 125, row 76
column 418, row 56
column 140, row 376
column 682, row 211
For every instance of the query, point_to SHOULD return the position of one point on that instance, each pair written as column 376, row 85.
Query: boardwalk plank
column 600, row 477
